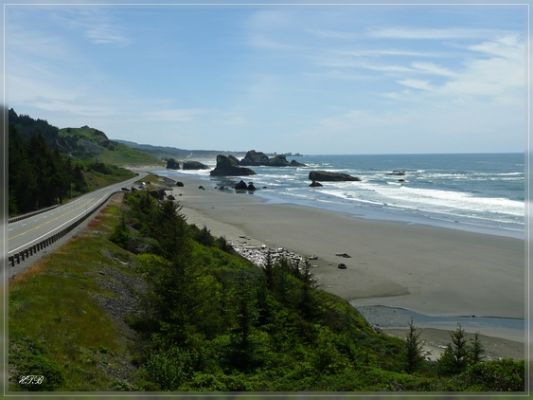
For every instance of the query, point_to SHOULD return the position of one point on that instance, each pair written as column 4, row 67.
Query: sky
column 309, row 79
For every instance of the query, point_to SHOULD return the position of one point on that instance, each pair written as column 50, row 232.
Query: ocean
column 475, row 192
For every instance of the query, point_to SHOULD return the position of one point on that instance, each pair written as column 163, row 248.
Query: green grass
column 122, row 155
column 57, row 327
column 106, row 150
column 96, row 180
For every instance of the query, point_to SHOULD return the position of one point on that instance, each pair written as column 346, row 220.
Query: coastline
column 430, row 270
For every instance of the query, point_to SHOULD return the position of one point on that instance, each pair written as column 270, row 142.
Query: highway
column 29, row 231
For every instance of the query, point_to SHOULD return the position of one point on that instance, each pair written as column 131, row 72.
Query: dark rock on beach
column 241, row 186
column 251, row 187
column 194, row 165
column 179, row 184
column 342, row 266
column 344, row 255
column 331, row 176
column 315, row 184
column 229, row 166
column 172, row 164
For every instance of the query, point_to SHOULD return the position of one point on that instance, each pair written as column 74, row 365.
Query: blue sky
column 330, row 79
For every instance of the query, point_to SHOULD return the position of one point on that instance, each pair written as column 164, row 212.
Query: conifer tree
column 413, row 347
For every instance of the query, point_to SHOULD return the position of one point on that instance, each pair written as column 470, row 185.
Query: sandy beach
column 430, row 270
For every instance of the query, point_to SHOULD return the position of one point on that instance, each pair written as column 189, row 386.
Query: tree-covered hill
column 43, row 170
column 83, row 143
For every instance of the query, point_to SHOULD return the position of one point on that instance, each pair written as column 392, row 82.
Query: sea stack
column 327, row 176
column 229, row 166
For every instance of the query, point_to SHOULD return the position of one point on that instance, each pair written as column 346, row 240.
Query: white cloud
column 432, row 33
column 96, row 24
column 433, row 69
column 392, row 53
column 417, row 84
column 103, row 33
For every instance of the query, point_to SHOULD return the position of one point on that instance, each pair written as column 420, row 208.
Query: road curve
column 24, row 233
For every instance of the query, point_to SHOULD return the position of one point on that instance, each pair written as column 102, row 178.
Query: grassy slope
column 96, row 180
column 111, row 152
column 123, row 154
column 56, row 324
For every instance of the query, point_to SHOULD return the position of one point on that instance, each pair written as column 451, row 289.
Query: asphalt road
column 26, row 232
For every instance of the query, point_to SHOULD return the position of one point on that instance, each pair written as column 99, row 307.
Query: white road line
column 46, row 234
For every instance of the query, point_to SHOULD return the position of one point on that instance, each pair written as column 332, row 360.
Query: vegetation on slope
column 201, row 318
column 41, row 170
column 90, row 143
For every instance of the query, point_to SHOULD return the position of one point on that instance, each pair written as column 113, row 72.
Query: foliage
column 42, row 171
column 413, row 351
column 475, row 350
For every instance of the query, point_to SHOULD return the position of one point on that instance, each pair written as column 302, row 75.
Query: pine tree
column 475, row 350
column 307, row 304
column 269, row 271
column 454, row 358
column 413, row 347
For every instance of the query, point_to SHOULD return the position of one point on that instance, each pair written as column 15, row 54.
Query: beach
column 430, row 270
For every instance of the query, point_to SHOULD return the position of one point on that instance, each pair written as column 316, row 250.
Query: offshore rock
column 229, row 166
column 172, row 164
column 328, row 176
column 194, row 165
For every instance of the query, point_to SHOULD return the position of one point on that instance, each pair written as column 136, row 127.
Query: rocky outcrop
column 278, row 161
column 254, row 158
column 172, row 164
column 179, row 184
column 241, row 186
column 251, row 187
column 397, row 172
column 327, row 176
column 229, row 166
column 257, row 158
column 194, row 165
column 315, row 184
column 140, row 245
column 295, row 163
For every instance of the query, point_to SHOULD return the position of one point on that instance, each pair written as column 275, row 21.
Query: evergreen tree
column 269, row 271
column 241, row 346
column 307, row 304
column 413, row 349
column 475, row 350
column 454, row 358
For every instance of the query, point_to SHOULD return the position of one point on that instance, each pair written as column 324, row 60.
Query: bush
column 501, row 375
column 169, row 369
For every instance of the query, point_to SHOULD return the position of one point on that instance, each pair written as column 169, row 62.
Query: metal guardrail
column 31, row 214
column 22, row 255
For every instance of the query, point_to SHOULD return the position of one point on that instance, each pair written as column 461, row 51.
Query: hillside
column 43, row 171
column 161, row 152
column 90, row 143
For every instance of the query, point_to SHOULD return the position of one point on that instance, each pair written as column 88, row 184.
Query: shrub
column 502, row 375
